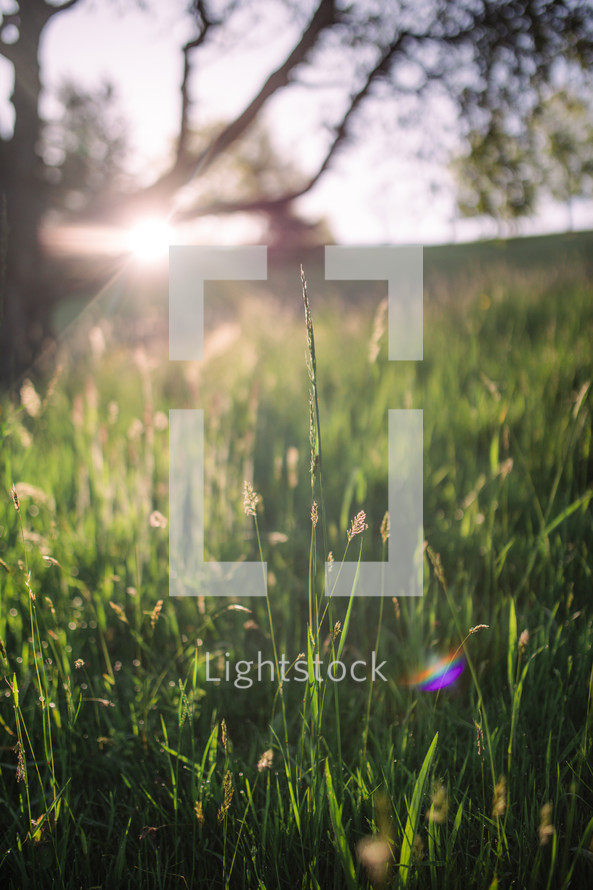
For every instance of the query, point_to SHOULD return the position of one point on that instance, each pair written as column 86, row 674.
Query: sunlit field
column 125, row 764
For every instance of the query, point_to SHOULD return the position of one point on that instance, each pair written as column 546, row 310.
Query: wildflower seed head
column 79, row 663
column 15, row 499
column 224, row 735
column 523, row 641
column 336, row 631
column 250, row 499
column 357, row 526
column 478, row 627
column 396, row 608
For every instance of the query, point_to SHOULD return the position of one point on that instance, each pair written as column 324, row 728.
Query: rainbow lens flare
column 442, row 673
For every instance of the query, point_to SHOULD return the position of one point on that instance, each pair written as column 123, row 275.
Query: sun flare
column 149, row 239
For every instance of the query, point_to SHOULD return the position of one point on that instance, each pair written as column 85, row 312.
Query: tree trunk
column 25, row 297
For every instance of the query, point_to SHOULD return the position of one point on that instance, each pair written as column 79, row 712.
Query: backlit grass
column 123, row 765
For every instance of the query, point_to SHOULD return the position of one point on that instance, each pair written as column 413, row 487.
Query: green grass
column 120, row 772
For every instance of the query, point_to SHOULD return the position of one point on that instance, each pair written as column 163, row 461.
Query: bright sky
column 367, row 197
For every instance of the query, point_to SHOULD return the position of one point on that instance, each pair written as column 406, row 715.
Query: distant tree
column 563, row 128
column 514, row 160
column 83, row 148
column 497, row 176
column 487, row 56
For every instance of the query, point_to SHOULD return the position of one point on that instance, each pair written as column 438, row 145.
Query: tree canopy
column 487, row 56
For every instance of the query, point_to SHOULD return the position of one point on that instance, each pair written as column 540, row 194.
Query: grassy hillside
column 124, row 765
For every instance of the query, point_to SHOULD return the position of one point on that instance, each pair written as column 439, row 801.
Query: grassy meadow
column 123, row 765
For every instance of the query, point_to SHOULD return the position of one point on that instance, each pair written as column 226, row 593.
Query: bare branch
column 324, row 17
column 204, row 27
column 340, row 136
column 185, row 167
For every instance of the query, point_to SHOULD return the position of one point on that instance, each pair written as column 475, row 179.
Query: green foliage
column 117, row 770
column 516, row 159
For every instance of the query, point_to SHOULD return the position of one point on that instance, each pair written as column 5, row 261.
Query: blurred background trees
column 497, row 62
column 514, row 162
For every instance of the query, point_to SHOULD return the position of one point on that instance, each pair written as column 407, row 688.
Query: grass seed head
column 479, row 739
column 154, row 616
column 228, row 796
column 376, row 855
column 199, row 812
column 157, row 520
column 523, row 641
column 437, row 565
column 439, row 805
column 546, row 828
column 385, row 527
column 20, row 762
column 357, row 526
column 292, row 462
column 499, row 800
column 30, row 399
column 265, row 761
column 314, row 514
column 250, row 499
column 119, row 611
column 379, row 328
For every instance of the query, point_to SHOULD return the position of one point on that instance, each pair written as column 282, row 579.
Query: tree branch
column 205, row 24
column 185, row 167
column 53, row 10
column 340, row 136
